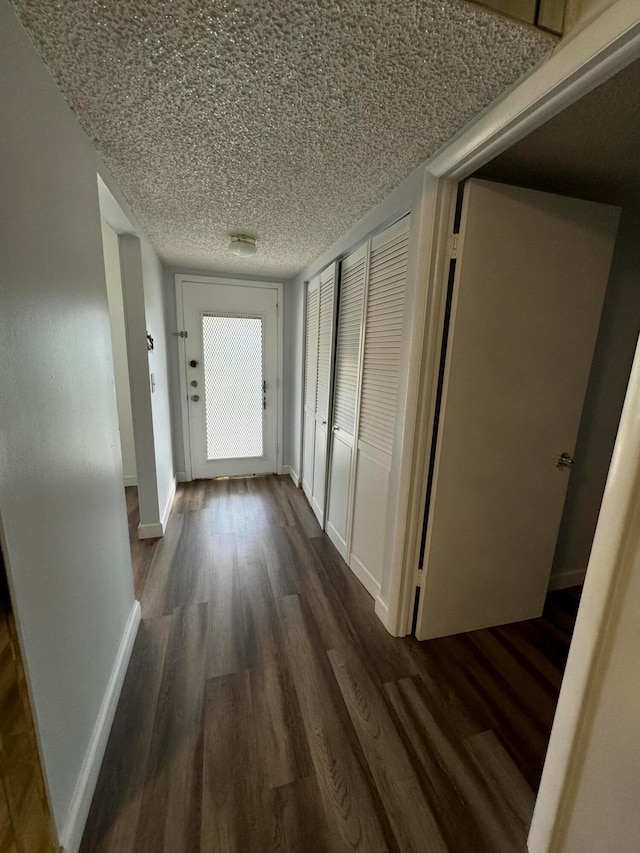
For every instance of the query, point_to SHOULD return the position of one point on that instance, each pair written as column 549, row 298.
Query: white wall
column 146, row 309
column 608, row 380
column 61, row 496
column 119, row 347
column 159, row 325
column 590, row 787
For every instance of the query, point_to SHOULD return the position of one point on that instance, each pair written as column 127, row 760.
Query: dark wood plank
column 225, row 634
column 414, row 824
column 113, row 820
column 170, row 812
column 296, row 820
column 282, row 749
column 154, row 596
column 503, row 776
column 351, row 811
column 232, row 815
column 465, row 800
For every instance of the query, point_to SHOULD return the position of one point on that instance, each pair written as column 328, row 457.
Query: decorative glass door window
column 233, row 386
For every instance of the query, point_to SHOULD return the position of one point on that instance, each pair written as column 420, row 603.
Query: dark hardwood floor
column 267, row 709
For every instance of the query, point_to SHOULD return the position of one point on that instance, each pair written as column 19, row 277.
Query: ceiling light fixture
column 242, row 244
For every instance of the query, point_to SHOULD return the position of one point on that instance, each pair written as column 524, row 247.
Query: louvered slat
column 348, row 344
column 311, row 362
column 383, row 337
column 325, row 332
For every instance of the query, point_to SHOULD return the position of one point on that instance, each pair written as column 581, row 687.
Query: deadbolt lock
column 195, row 398
column 193, row 363
column 194, row 383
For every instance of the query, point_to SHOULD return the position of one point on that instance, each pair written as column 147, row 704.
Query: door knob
column 565, row 460
column 193, row 363
column 194, row 383
column 195, row 398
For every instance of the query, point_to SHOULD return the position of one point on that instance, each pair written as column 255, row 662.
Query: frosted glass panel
column 232, row 355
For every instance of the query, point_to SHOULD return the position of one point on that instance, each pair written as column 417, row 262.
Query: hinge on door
column 419, row 576
column 453, row 246
column 179, row 334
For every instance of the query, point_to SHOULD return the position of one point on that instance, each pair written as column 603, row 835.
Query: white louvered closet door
column 326, row 335
column 345, row 399
column 310, row 385
column 384, row 318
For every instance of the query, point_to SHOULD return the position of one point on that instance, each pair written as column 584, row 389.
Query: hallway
column 266, row 708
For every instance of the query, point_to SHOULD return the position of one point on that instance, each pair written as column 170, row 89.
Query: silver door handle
column 335, row 428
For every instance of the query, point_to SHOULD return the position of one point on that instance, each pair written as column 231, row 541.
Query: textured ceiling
column 282, row 119
column 590, row 150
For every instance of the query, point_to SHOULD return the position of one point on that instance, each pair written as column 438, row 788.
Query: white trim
column 153, row 530
column 567, row 579
column 180, row 280
column 181, row 477
column 288, row 469
column 168, row 506
column 130, row 480
column 424, row 318
column 364, row 576
column 71, row 835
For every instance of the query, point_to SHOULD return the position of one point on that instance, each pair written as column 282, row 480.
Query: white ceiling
column 285, row 119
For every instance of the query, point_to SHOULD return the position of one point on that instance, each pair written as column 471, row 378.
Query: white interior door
column 326, row 337
column 310, row 386
column 347, row 377
column 231, row 376
column 381, row 364
column 530, row 278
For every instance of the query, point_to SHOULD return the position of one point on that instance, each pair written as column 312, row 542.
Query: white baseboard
column 181, row 477
column 153, row 530
column 294, row 475
column 382, row 610
column 71, row 835
column 364, row 576
column 168, row 506
column 567, row 579
column 130, row 480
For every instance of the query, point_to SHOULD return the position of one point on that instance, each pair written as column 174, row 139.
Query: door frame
column 180, row 280
column 587, row 59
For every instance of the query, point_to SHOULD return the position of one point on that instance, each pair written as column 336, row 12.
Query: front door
column 231, row 376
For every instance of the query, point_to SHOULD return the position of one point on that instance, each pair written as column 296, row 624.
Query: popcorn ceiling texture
column 281, row 119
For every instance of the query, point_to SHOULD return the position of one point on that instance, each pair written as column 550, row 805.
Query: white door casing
column 218, row 307
column 531, row 273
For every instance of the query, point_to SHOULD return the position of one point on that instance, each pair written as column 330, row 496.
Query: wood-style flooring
column 267, row 709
